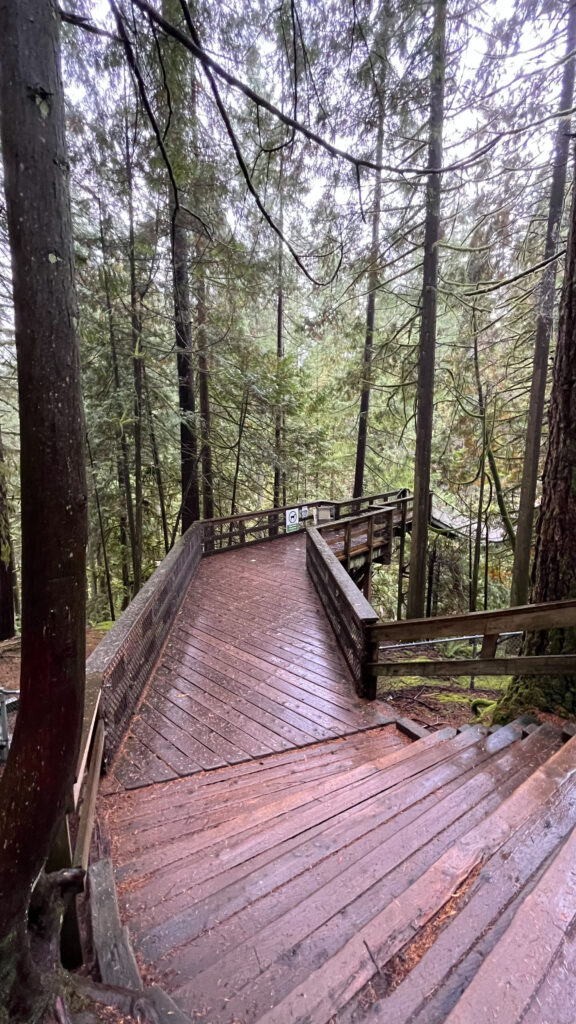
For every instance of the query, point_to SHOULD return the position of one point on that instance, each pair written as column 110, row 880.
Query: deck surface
column 298, row 888
column 284, row 855
column 251, row 668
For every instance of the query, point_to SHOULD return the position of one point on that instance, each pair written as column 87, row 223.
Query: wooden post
column 347, row 545
column 370, row 558
column 404, row 512
column 369, row 677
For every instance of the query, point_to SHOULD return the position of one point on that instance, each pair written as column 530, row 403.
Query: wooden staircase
column 360, row 879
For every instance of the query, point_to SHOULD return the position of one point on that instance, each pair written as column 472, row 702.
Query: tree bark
column 182, row 321
column 102, row 532
column 480, row 514
column 554, row 571
column 544, row 324
column 370, row 316
column 42, row 761
column 427, row 346
column 279, row 412
column 6, row 558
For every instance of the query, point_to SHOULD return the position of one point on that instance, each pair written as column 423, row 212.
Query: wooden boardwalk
column 284, row 855
column 251, row 668
column 358, row 879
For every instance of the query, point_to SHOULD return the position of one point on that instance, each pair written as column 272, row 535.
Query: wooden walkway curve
column 285, row 854
column 251, row 667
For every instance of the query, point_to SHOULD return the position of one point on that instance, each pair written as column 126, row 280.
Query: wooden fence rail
column 348, row 611
column 488, row 625
column 369, row 533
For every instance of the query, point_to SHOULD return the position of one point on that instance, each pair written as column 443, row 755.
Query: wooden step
column 508, row 980
column 426, row 980
column 365, row 877
column 335, row 980
column 345, row 839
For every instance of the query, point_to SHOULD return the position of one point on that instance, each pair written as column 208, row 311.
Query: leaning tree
column 40, row 768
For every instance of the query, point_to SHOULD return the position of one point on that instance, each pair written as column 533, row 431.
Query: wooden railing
column 487, row 626
column 355, row 506
column 225, row 532
column 253, row 527
column 127, row 654
column 368, row 534
column 347, row 609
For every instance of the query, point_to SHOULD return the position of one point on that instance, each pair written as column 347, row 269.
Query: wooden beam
column 555, row 614
column 489, row 645
column 92, row 698
column 114, row 953
column 88, row 812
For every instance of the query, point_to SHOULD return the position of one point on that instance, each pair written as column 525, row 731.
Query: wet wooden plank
column 280, row 821
column 356, row 850
column 318, row 704
column 433, row 985
column 341, row 903
column 370, row 949
column 508, row 979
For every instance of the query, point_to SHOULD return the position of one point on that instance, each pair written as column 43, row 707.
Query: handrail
column 489, row 625
column 265, row 512
column 370, row 499
column 244, row 528
column 347, row 609
column 523, row 617
column 362, row 534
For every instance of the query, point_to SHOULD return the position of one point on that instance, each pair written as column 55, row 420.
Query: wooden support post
column 88, row 811
column 347, row 545
column 401, row 558
column 489, row 644
column 369, row 676
column 369, row 560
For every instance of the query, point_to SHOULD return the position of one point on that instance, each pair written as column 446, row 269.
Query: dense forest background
column 250, row 300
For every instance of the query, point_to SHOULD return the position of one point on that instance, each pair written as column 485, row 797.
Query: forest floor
column 437, row 702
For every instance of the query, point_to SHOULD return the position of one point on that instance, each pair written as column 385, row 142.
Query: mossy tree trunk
column 554, row 571
column 41, row 766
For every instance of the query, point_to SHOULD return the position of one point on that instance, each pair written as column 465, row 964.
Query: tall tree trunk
column 42, row 760
column 204, row 388
column 156, row 461
column 241, row 425
column 188, row 436
column 136, row 336
column 479, row 517
column 499, row 490
column 123, row 538
column 6, row 558
column 370, row 315
column 101, row 529
column 544, row 323
column 554, row 571
column 427, row 346
column 279, row 412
